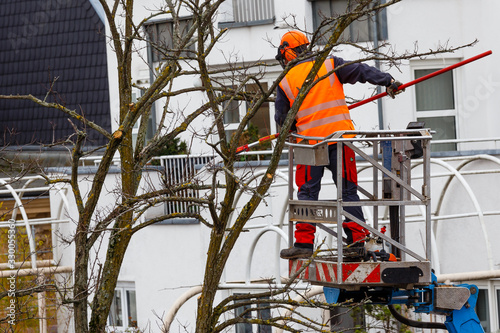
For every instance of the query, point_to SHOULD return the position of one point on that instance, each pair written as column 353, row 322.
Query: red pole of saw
column 373, row 98
column 423, row 78
column 261, row 140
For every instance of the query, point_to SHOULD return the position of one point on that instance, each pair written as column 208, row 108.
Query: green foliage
column 173, row 147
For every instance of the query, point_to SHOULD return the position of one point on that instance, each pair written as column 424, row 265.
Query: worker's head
column 292, row 44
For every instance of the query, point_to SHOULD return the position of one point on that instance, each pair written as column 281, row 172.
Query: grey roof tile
column 40, row 42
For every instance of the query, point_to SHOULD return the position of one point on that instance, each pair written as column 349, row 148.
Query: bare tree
column 123, row 221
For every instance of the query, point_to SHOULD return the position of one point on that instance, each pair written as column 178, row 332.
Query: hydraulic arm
column 456, row 302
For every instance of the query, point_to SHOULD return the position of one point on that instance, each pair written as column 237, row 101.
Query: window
column 259, row 126
column 261, row 120
column 498, row 306
column 242, row 13
column 123, row 313
column 261, row 311
column 482, row 309
column 231, row 111
column 136, row 94
column 162, row 42
column 436, row 106
column 360, row 30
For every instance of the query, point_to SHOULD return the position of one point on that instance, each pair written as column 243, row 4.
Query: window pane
column 243, row 327
column 165, row 35
column 261, row 119
column 231, row 112
column 229, row 134
column 253, row 10
column 445, row 130
column 116, row 314
column 131, row 309
column 160, row 35
column 321, row 9
column 264, row 313
column 360, row 30
column 482, row 309
column 498, row 306
column 435, row 93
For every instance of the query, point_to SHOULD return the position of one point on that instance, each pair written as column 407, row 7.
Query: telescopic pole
column 375, row 97
column 423, row 78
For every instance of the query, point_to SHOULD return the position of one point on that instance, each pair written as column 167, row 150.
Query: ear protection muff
column 281, row 53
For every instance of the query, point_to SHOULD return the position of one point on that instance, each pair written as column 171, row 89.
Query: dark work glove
column 392, row 89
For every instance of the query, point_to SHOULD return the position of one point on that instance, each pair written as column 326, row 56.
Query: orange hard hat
column 292, row 43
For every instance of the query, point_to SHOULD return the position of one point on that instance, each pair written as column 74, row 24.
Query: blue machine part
column 464, row 320
column 331, row 295
column 387, row 154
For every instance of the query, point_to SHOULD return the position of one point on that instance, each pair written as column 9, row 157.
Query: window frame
column 436, row 64
column 228, row 16
column 242, row 107
column 488, row 309
column 382, row 31
column 153, row 55
column 123, row 288
column 255, row 328
column 150, row 130
column 496, row 312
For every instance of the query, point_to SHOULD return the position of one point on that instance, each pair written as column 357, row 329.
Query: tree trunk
column 101, row 304
column 205, row 320
column 80, row 288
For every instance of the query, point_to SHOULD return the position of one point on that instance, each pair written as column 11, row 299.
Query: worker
column 323, row 112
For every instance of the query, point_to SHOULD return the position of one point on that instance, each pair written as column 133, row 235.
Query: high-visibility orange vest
column 324, row 109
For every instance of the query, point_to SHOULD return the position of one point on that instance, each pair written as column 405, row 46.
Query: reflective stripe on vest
column 320, row 107
column 323, row 121
column 288, row 91
column 329, row 68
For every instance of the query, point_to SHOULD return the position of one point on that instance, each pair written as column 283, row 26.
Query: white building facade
column 461, row 106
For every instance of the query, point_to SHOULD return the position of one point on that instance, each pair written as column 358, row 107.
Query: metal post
column 402, row 208
column 375, row 184
column 290, row 190
column 340, row 150
column 426, row 192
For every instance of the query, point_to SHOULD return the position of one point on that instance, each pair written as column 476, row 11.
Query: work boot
column 296, row 253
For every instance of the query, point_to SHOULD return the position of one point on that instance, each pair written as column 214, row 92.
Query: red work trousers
column 308, row 179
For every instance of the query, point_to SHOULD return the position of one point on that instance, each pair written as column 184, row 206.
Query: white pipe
column 468, row 276
column 38, row 271
column 279, row 231
column 169, row 317
column 20, row 264
column 42, row 309
column 33, row 222
column 19, row 204
column 475, row 203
